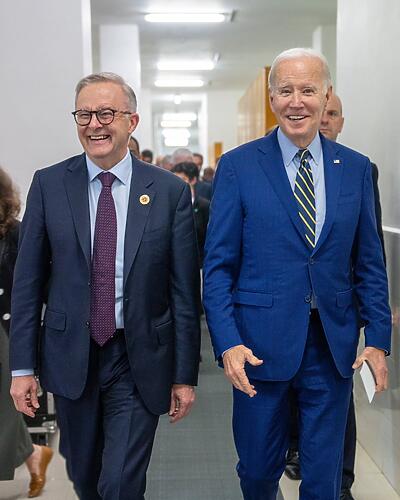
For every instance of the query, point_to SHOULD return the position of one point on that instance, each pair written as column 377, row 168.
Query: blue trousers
column 106, row 436
column 261, row 426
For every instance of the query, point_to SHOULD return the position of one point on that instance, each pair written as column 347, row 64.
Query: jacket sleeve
column 222, row 258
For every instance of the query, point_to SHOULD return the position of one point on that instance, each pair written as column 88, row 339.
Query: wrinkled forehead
column 98, row 92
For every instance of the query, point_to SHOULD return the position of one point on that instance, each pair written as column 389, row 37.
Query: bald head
column 332, row 119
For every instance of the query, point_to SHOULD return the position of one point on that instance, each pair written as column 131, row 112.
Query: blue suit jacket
column 260, row 273
column 160, row 282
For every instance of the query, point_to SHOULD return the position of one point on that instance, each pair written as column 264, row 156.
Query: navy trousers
column 107, row 434
column 261, row 426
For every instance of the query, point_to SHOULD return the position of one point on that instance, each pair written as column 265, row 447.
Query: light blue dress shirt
column 120, row 191
column 289, row 151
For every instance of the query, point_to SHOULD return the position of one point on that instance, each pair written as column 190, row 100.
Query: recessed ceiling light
column 187, row 17
column 179, row 83
column 202, row 65
column 175, row 123
column 177, row 99
column 180, row 116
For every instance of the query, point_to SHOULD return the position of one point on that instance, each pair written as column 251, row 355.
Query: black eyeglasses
column 104, row 116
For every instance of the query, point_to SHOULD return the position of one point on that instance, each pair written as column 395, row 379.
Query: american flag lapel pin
column 336, row 161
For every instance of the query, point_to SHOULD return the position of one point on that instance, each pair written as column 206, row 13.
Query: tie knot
column 303, row 155
column 106, row 178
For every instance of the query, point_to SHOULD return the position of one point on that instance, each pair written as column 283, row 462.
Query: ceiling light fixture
column 176, row 132
column 177, row 99
column 202, row 65
column 187, row 17
column 182, row 142
column 175, row 123
column 180, row 116
column 179, row 83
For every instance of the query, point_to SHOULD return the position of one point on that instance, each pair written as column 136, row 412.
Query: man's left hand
column 182, row 399
column 377, row 361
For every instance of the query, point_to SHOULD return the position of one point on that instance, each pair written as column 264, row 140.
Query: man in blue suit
column 292, row 255
column 110, row 241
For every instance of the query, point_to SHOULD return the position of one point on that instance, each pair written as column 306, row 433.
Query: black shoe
column 292, row 469
column 345, row 494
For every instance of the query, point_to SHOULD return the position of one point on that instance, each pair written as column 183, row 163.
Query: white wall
column 222, row 110
column 324, row 40
column 45, row 50
column 368, row 77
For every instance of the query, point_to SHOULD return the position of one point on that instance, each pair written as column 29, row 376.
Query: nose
column 324, row 119
column 296, row 99
column 94, row 122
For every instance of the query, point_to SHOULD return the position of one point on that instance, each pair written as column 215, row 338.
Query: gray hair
column 108, row 78
column 295, row 54
column 180, row 155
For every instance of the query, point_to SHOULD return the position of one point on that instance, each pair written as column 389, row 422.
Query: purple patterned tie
column 102, row 299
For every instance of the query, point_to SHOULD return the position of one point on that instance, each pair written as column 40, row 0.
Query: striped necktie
column 305, row 196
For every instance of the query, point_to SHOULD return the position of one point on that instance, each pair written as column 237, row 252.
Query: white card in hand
column 367, row 376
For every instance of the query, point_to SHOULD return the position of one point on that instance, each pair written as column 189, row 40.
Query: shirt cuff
column 22, row 373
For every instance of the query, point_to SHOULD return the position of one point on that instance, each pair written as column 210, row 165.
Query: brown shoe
column 39, row 480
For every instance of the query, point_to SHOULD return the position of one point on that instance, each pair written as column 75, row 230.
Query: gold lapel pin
column 336, row 161
column 144, row 199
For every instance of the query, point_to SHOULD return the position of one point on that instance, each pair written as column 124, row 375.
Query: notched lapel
column 76, row 185
column 270, row 159
column 141, row 199
column 333, row 169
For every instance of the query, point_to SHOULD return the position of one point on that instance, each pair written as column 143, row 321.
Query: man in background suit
column 292, row 257
column 331, row 126
column 113, row 239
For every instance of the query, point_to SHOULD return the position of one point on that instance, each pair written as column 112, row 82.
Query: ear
column 271, row 99
column 133, row 122
column 328, row 93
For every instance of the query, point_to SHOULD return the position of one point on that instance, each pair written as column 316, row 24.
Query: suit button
column 87, row 324
column 307, row 299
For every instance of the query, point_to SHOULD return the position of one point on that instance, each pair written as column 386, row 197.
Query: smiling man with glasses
column 114, row 240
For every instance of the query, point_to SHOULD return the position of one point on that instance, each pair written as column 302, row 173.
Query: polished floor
column 195, row 459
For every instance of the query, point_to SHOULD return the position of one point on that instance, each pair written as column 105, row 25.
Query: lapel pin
column 144, row 199
column 336, row 161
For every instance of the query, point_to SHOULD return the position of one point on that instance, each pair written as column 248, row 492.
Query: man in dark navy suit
column 112, row 240
column 292, row 260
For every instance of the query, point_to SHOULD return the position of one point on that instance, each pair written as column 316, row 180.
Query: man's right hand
column 24, row 393
column 234, row 360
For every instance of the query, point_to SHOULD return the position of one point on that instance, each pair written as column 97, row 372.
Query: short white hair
column 297, row 53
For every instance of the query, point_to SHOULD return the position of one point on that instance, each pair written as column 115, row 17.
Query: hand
column 377, row 362
column 24, row 393
column 182, row 399
column 234, row 360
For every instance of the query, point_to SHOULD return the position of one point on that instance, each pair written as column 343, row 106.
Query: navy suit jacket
column 259, row 272
column 160, row 283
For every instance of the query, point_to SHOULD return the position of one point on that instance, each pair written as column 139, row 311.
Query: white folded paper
column 367, row 376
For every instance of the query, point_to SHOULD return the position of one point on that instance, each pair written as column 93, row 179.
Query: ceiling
column 259, row 31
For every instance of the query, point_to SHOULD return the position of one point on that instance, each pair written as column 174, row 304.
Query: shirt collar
column 289, row 150
column 121, row 170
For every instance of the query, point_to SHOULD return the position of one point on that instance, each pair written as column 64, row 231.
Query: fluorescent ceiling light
column 176, row 132
column 177, row 99
column 180, row 116
column 201, row 65
column 182, row 142
column 175, row 123
column 187, row 17
column 179, row 83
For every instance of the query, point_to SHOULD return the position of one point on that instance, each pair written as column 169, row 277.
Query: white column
column 120, row 53
column 324, row 40
column 46, row 49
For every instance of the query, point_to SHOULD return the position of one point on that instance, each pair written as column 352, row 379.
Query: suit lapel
column 141, row 198
column 333, row 169
column 76, row 185
column 271, row 162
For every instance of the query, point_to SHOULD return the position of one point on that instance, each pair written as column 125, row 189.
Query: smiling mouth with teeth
column 296, row 117
column 98, row 137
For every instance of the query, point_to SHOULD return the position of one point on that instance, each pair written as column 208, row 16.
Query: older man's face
column 106, row 145
column 298, row 98
column 332, row 119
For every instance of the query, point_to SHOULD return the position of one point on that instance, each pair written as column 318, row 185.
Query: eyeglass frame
column 114, row 111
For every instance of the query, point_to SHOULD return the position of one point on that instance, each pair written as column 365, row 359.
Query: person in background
column 208, row 175
column 201, row 207
column 133, row 146
column 331, row 126
column 198, row 160
column 181, row 155
column 166, row 163
column 16, row 445
column 147, row 155
column 119, row 343
column 292, row 262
